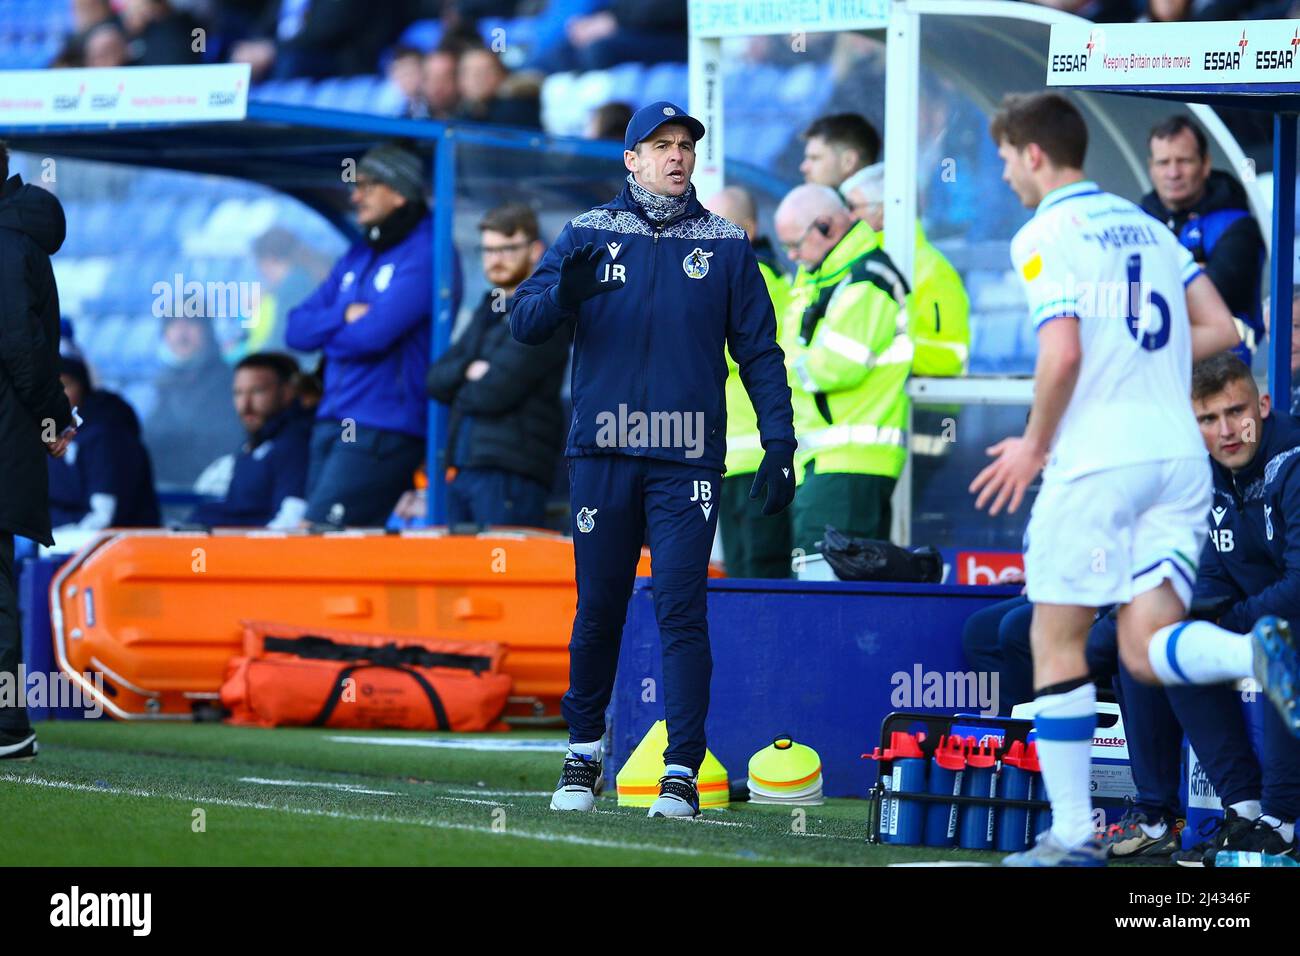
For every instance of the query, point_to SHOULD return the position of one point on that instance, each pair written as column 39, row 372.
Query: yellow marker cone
column 785, row 770
column 638, row 778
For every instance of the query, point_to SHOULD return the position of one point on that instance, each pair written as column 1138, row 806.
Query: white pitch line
column 962, row 863
column 483, row 803
column 501, row 793
column 478, row 745
column 381, row 818
column 344, row 787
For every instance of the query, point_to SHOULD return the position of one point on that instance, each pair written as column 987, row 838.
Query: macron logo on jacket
column 1253, row 515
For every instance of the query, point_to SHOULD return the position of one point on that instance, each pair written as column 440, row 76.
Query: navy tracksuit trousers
column 1213, row 721
column 996, row 638
column 620, row 502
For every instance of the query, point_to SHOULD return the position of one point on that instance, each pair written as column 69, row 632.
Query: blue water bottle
column 979, row 780
column 1240, row 858
column 1013, row 829
column 1042, row 818
column 945, row 780
column 903, row 821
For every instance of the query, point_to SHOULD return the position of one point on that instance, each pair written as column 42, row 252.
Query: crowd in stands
column 314, row 38
column 1173, row 11
column 363, row 324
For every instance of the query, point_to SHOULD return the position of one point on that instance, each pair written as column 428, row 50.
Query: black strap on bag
column 390, row 655
column 435, row 702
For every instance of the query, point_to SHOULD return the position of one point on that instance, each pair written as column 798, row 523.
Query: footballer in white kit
column 1127, row 486
column 1120, row 311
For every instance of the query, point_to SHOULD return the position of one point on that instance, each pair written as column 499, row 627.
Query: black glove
column 578, row 279
column 777, row 472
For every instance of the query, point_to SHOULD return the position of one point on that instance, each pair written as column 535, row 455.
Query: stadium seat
column 592, row 89
column 231, row 227
column 625, row 83
column 557, row 99
column 422, row 34
column 666, row 81
column 294, row 92
column 326, row 94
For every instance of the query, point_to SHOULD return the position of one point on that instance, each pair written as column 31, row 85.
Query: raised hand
column 579, row 280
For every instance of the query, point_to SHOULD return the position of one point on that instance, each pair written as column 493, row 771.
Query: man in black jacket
column 35, row 417
column 1209, row 213
column 106, row 478
column 506, row 428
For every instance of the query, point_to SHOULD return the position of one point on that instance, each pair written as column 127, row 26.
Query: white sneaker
column 678, row 797
column 580, row 782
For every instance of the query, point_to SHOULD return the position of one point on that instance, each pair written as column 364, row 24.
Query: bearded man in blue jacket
column 656, row 286
column 371, row 319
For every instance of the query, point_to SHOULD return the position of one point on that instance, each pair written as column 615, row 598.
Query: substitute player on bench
column 1121, row 309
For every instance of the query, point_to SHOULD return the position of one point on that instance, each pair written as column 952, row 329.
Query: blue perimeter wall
column 809, row 659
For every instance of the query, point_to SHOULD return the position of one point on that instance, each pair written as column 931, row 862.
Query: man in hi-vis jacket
column 656, row 286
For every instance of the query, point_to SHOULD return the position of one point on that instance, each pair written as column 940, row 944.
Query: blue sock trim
column 1171, row 652
column 1066, row 728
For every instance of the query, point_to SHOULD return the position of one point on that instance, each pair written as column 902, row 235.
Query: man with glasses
column 371, row 319
column 506, row 427
column 847, row 347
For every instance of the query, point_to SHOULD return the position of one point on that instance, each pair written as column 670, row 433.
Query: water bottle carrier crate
column 933, row 727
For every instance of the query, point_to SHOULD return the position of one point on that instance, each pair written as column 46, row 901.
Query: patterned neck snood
column 659, row 209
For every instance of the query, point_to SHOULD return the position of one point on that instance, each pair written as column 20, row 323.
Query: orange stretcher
column 158, row 613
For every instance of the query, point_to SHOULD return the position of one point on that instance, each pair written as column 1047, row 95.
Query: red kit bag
column 342, row 679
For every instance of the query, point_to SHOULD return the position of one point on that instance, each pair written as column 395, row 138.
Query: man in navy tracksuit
column 371, row 319
column 267, row 485
column 656, row 286
column 106, row 478
column 1250, row 567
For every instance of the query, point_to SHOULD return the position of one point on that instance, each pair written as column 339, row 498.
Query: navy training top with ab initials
column 655, row 346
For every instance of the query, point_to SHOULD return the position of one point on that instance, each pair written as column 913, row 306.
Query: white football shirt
column 1095, row 258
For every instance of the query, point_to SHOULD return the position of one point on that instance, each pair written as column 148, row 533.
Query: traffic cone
column 638, row 778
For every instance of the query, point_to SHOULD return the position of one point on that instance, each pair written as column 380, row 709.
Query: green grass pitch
column 104, row 793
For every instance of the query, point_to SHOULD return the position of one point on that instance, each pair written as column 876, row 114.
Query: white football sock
column 1066, row 724
column 1198, row 652
column 1247, row 809
column 678, row 770
column 592, row 751
column 1154, row 830
column 1285, row 830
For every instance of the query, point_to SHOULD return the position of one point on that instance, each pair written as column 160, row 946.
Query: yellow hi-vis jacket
column 938, row 313
column 744, row 452
column 846, row 342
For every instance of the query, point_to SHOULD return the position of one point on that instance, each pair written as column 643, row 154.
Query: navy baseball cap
column 649, row 118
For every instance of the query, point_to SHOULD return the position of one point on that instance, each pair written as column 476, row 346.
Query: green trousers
column 857, row 505
column 753, row 545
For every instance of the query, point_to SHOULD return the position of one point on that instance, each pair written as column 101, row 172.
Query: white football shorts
column 1103, row 537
